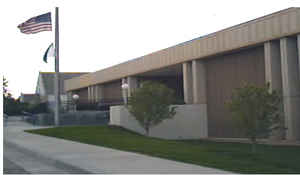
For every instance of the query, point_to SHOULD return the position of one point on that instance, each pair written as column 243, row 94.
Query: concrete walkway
column 91, row 159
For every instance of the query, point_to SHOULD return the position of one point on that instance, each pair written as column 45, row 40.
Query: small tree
column 6, row 94
column 11, row 106
column 150, row 104
column 8, row 101
column 257, row 111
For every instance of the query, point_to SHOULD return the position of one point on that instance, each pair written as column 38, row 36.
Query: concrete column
column 95, row 93
column 92, row 94
column 273, row 65
column 291, row 86
column 124, row 92
column 273, row 75
column 187, row 82
column 89, row 93
column 132, row 85
column 199, row 82
column 298, row 43
column 99, row 92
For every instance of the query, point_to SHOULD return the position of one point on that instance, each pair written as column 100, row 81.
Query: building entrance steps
column 90, row 158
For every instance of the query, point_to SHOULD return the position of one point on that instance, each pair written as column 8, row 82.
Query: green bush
column 257, row 111
column 150, row 104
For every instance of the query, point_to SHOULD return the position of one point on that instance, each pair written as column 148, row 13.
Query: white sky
column 97, row 34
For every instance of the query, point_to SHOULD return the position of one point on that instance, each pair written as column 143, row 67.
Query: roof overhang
column 270, row 27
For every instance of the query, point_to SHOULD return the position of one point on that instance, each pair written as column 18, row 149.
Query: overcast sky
column 97, row 34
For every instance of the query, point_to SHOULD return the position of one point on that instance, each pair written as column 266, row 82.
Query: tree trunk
column 147, row 130
column 253, row 140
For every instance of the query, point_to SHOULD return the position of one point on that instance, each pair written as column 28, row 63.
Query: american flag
column 37, row 24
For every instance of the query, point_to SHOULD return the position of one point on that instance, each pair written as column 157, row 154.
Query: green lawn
column 234, row 157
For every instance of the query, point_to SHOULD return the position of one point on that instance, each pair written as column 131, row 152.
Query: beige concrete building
column 205, row 70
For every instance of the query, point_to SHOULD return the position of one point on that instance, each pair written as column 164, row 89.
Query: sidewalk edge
column 47, row 159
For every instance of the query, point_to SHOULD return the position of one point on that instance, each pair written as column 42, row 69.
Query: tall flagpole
column 56, row 77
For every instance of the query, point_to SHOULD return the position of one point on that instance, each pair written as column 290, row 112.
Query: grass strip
column 235, row 157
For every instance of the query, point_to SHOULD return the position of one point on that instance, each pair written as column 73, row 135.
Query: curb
column 47, row 159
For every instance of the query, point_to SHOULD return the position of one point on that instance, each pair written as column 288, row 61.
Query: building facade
column 206, row 70
column 29, row 98
column 45, row 87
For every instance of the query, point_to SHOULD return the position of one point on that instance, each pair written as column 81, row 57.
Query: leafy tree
column 11, row 106
column 150, row 104
column 257, row 110
column 6, row 94
column 7, row 99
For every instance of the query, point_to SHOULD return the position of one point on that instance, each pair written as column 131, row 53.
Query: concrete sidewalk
column 92, row 159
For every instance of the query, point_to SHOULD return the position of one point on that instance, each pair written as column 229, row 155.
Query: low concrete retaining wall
column 190, row 122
